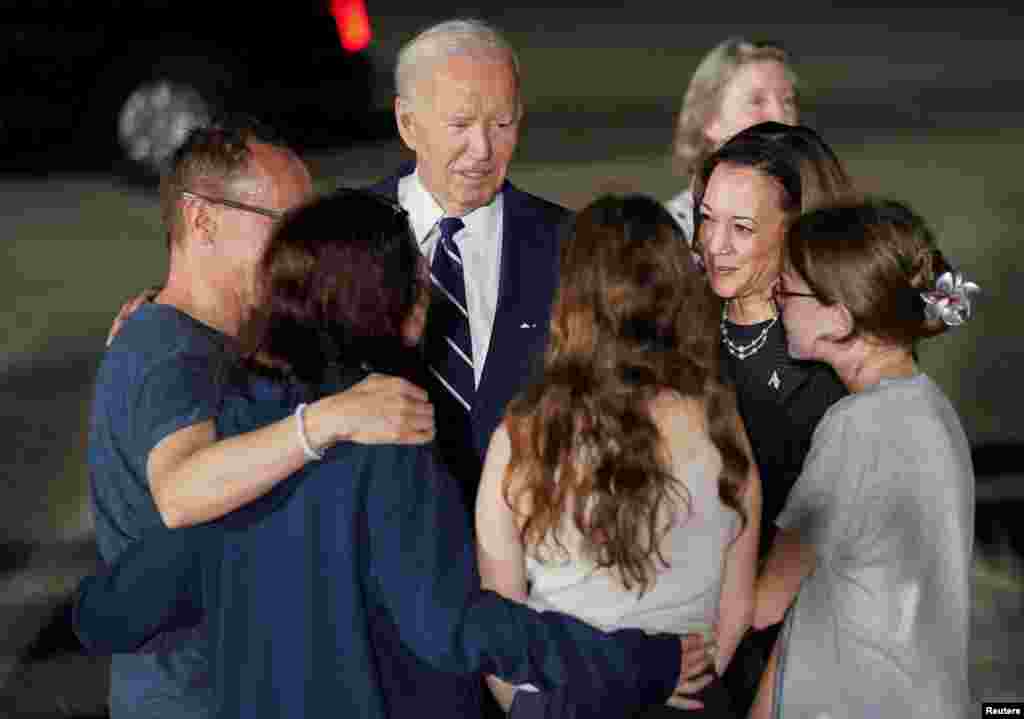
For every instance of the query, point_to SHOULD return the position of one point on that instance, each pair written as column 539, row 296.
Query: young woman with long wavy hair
column 620, row 487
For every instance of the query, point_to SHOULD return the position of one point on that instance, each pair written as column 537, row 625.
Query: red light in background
column 353, row 24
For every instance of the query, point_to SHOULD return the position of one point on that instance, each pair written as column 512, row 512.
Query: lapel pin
column 775, row 382
column 527, row 325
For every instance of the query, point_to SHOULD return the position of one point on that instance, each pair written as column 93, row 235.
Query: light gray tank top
column 684, row 597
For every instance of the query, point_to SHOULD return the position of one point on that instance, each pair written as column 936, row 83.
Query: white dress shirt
column 479, row 244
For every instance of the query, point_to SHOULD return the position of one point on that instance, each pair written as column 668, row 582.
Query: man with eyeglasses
column 155, row 462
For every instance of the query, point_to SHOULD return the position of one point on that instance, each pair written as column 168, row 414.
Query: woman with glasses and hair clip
column 739, row 83
column 875, row 540
column 351, row 588
column 748, row 192
column 620, row 487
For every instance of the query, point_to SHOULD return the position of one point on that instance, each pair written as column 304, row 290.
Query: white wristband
column 307, row 448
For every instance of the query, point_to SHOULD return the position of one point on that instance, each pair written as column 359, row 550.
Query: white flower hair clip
column 952, row 300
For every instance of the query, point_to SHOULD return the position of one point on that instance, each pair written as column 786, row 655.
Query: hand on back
column 128, row 307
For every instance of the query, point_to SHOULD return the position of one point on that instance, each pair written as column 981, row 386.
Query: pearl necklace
column 741, row 352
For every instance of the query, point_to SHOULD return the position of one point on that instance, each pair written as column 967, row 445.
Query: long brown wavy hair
column 633, row 316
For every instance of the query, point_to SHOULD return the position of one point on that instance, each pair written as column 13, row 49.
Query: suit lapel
column 509, row 293
column 524, row 306
column 515, row 230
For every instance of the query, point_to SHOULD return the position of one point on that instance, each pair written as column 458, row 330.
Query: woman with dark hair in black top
column 748, row 192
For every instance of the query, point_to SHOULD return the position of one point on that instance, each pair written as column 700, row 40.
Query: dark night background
column 924, row 105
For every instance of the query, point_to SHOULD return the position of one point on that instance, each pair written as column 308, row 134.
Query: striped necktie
column 449, row 345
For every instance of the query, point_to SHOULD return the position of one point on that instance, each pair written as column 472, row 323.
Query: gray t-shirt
column 163, row 372
column 886, row 497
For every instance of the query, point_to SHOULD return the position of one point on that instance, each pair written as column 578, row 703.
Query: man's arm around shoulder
column 424, row 571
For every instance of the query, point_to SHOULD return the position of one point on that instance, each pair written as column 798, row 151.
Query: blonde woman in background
column 738, row 84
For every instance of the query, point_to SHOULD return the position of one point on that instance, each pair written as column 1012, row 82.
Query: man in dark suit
column 458, row 109
column 492, row 248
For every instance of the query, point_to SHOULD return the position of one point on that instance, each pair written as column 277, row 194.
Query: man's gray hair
column 443, row 40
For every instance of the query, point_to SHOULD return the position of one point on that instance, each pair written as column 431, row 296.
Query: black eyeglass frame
column 276, row 215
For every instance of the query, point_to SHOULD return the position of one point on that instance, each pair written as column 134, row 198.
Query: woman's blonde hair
column 703, row 97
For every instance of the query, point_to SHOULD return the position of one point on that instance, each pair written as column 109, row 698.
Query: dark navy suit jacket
column 532, row 229
column 352, row 590
column 528, row 279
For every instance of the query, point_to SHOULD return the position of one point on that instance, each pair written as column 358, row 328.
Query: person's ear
column 206, row 224
column 200, row 223
column 713, row 131
column 843, row 325
column 406, row 121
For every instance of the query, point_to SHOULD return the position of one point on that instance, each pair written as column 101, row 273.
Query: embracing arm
column 194, row 477
column 736, row 606
column 501, row 558
column 128, row 307
column 828, row 470
column 154, row 586
column 500, row 551
column 423, row 571
column 788, row 562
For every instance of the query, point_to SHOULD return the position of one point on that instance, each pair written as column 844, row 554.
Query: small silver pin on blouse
column 775, row 382
column 528, row 325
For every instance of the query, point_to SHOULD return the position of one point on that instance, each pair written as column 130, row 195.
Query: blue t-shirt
column 164, row 371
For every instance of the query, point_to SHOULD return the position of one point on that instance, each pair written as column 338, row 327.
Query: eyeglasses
column 272, row 214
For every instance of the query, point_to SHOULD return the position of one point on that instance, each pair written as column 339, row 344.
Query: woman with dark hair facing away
column 747, row 193
column 619, row 487
column 351, row 588
column 875, row 540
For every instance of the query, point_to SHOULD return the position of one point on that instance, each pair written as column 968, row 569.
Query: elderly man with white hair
column 458, row 109
column 493, row 252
